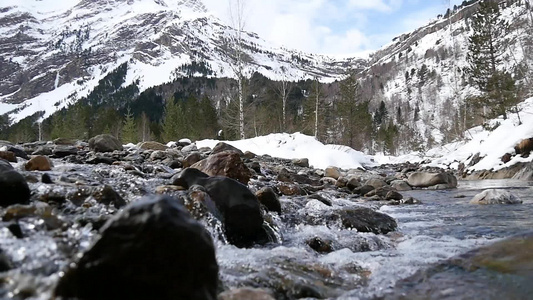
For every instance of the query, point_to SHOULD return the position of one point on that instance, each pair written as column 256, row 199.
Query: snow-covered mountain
column 421, row 77
column 55, row 52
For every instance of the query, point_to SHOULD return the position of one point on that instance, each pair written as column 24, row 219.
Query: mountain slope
column 54, row 53
column 421, row 75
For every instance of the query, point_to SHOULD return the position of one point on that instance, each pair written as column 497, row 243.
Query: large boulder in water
column 153, row 249
column 13, row 186
column 225, row 163
column 105, row 143
column 495, row 196
column 232, row 202
column 502, row 270
column 439, row 180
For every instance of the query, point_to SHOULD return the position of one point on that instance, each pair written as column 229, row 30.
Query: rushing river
column 445, row 225
column 353, row 266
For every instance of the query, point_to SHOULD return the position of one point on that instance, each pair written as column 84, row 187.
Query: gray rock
column 13, row 186
column 301, row 162
column 424, row 179
column 104, row 143
column 376, row 182
column 495, row 196
column 401, row 185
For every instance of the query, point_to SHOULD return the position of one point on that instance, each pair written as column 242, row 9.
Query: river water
column 443, row 226
column 358, row 265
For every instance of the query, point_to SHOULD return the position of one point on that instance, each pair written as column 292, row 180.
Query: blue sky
column 334, row 27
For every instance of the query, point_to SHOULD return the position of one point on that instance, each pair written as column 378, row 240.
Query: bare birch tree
column 283, row 88
column 237, row 17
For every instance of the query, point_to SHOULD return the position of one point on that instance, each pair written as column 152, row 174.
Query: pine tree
column 129, row 130
column 485, row 58
column 171, row 121
column 355, row 120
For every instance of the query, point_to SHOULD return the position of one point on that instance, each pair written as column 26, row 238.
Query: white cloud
column 325, row 26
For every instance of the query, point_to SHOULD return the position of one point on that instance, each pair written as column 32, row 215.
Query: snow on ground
column 491, row 145
column 297, row 145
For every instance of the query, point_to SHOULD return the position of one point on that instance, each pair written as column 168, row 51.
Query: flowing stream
column 445, row 225
column 353, row 265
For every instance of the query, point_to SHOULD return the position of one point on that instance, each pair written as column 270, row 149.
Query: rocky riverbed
column 98, row 221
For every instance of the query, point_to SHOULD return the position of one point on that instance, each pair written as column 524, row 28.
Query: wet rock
column 175, row 164
column 15, row 230
column 5, row 262
column 353, row 183
column 18, row 152
column 289, row 189
column 61, row 151
column 255, row 166
column 328, row 180
column 393, row 195
column 341, row 182
column 226, row 163
column 423, row 179
column 246, row 294
column 269, row 199
column 321, row 199
column 332, row 172
column 99, row 159
column 13, row 186
column 39, row 209
column 495, row 196
column 221, row 147
column 45, row 178
column 191, row 159
column 108, row 196
column 319, row 245
column 502, row 270
column 232, row 202
column 38, row 163
column 105, row 143
column 381, row 192
column 43, row 150
column 400, row 185
column 301, row 162
column 151, row 250
column 410, row 200
column 367, row 220
column 363, row 190
column 9, row 156
column 152, row 146
column 376, row 182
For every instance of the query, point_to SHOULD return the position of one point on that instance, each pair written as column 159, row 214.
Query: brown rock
column 332, row 172
column 506, row 158
column 153, row 146
column 353, row 183
column 222, row 147
column 38, row 163
column 524, row 147
column 269, row 199
column 191, row 159
column 226, row 163
column 9, row 156
column 288, row 189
